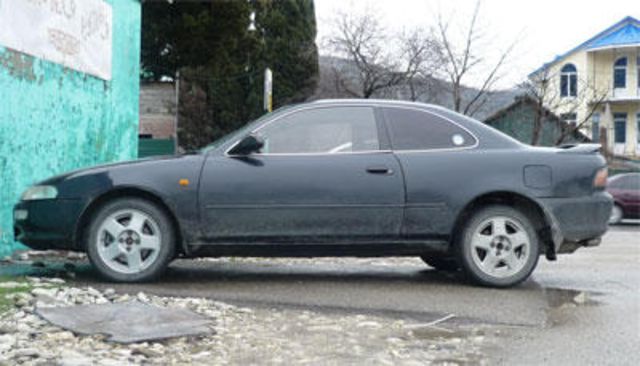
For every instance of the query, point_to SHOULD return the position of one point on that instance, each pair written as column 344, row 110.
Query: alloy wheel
column 129, row 241
column 500, row 246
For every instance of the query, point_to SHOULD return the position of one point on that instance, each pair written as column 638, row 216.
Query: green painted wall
column 54, row 119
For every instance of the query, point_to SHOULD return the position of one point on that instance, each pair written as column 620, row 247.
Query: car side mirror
column 248, row 145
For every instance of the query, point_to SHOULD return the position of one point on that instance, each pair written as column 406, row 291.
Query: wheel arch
column 528, row 206
column 622, row 207
column 119, row 192
column 617, row 202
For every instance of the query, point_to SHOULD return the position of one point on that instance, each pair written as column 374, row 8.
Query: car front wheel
column 130, row 240
column 498, row 247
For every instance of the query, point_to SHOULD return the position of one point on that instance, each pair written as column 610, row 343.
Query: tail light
column 600, row 180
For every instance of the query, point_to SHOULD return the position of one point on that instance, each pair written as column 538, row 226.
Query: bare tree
column 462, row 60
column 375, row 60
column 423, row 54
column 543, row 89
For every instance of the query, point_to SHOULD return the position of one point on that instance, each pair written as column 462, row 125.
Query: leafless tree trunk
column 459, row 63
column 604, row 138
column 538, row 90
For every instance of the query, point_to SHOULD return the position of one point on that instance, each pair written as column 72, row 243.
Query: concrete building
column 158, row 119
column 158, row 110
column 69, row 88
column 598, row 83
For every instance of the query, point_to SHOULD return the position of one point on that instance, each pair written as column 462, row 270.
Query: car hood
column 107, row 167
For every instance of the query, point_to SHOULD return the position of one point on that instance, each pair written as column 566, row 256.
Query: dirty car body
column 337, row 178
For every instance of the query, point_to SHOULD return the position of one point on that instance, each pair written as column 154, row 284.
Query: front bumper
column 578, row 221
column 49, row 224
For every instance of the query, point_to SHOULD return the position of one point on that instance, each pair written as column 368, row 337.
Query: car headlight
column 40, row 193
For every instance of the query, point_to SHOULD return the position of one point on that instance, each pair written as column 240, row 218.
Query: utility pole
column 268, row 90
column 175, row 124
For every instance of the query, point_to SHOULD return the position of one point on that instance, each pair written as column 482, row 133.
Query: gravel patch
column 242, row 335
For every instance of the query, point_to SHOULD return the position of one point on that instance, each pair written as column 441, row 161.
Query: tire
column 616, row 215
column 142, row 233
column 441, row 263
column 498, row 247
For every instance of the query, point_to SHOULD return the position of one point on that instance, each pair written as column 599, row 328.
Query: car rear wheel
column 130, row 240
column 498, row 247
column 441, row 263
column 616, row 215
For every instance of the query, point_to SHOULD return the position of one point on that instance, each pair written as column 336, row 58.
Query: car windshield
column 246, row 129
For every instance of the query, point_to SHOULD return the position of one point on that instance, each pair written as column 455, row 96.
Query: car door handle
column 379, row 169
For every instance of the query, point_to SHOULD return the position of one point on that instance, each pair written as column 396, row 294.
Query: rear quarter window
column 411, row 129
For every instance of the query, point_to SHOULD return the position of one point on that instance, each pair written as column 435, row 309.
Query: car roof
column 387, row 102
column 397, row 103
column 623, row 175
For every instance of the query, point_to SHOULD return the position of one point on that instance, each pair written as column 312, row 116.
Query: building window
column 568, row 81
column 620, row 126
column 620, row 73
column 595, row 127
column 570, row 118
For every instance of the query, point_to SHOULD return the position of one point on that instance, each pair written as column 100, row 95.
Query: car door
column 429, row 148
column 321, row 175
column 629, row 194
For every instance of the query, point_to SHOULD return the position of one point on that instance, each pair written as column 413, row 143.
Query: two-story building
column 596, row 86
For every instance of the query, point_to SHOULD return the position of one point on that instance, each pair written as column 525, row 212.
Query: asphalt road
column 582, row 309
column 603, row 330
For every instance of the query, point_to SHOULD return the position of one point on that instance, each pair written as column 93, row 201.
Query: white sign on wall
column 74, row 33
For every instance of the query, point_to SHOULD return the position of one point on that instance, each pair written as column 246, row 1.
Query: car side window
column 617, row 182
column 412, row 129
column 322, row 130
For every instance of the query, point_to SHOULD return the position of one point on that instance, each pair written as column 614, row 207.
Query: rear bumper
column 49, row 224
column 578, row 221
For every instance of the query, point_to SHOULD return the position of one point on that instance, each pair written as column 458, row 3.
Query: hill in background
column 427, row 90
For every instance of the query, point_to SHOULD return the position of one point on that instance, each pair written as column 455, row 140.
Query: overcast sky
column 545, row 27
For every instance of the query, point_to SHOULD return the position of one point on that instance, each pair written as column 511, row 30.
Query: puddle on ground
column 564, row 297
column 563, row 303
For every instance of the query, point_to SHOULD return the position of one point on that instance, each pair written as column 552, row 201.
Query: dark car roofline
column 388, row 102
column 380, row 102
column 622, row 175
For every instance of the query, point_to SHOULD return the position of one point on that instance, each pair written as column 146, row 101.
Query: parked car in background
column 333, row 178
column 625, row 189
